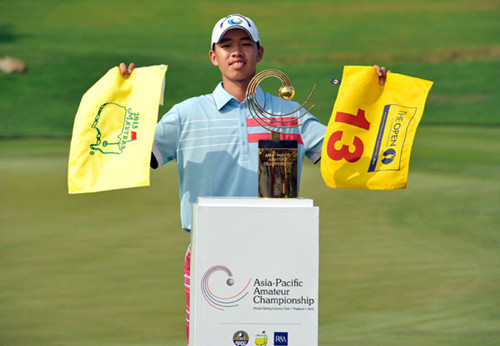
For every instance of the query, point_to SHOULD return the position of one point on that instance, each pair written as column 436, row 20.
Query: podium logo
column 281, row 339
column 261, row 339
column 240, row 338
column 214, row 292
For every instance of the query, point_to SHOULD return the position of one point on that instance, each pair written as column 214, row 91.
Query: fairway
column 419, row 266
column 411, row 267
column 68, row 46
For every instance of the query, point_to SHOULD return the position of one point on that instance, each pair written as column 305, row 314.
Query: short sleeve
column 167, row 136
column 313, row 133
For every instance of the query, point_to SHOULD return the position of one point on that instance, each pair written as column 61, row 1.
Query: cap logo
column 235, row 21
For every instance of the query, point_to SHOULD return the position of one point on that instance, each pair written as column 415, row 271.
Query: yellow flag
column 370, row 133
column 114, row 130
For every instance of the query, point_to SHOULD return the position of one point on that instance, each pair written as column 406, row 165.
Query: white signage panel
column 254, row 272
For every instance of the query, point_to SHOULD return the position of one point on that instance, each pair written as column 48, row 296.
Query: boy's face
column 237, row 56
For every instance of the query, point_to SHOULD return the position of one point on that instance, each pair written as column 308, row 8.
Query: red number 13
column 357, row 120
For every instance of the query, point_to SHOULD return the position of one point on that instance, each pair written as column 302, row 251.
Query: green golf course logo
column 116, row 126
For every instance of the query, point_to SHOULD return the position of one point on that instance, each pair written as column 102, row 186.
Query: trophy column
column 278, row 167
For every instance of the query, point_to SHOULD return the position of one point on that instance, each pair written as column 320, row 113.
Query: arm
column 166, row 138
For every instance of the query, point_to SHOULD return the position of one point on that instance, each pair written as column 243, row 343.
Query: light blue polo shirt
column 214, row 140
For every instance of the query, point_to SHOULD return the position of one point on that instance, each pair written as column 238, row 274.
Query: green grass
column 418, row 266
column 68, row 46
column 100, row 269
column 411, row 267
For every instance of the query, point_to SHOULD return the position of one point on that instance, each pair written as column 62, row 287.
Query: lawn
column 418, row 266
column 68, row 46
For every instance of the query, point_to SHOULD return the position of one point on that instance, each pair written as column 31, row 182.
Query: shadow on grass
column 7, row 34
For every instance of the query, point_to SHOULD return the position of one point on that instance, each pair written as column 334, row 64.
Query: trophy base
column 278, row 168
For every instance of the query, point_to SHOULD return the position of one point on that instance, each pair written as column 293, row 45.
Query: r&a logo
column 281, row 338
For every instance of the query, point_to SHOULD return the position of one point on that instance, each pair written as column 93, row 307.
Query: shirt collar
column 222, row 97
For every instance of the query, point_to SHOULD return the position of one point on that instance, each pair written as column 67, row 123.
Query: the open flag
column 114, row 130
column 370, row 133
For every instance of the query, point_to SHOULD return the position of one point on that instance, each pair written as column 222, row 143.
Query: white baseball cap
column 234, row 21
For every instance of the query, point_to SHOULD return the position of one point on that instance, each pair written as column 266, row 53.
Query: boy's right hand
column 126, row 71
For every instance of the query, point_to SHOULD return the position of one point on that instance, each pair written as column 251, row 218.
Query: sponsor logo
column 235, row 21
column 281, row 339
column 388, row 156
column 115, row 127
column 218, row 296
column 240, row 338
column 391, row 137
column 261, row 339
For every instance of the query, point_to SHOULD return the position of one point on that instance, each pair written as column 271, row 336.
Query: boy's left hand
column 382, row 73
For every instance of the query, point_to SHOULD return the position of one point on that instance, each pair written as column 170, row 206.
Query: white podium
column 254, row 272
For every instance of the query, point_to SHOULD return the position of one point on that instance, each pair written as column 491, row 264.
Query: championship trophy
column 278, row 176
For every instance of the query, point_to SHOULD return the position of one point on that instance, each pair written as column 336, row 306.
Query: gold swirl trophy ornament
column 278, row 176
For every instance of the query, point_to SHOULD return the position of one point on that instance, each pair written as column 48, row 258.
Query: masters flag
column 370, row 133
column 114, row 130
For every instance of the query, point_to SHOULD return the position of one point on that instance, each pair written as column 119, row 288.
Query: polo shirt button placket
column 243, row 132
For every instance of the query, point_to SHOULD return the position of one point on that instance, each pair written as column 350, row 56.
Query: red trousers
column 187, row 286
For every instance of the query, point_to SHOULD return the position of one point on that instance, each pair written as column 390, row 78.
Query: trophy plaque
column 278, row 157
